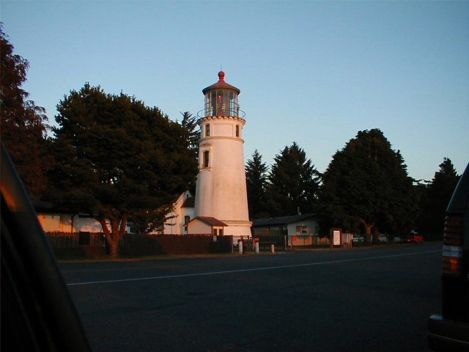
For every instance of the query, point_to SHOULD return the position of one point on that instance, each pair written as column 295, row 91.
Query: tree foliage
column 191, row 129
column 367, row 184
column 293, row 183
column 23, row 124
column 190, row 124
column 256, row 182
column 117, row 158
column 435, row 199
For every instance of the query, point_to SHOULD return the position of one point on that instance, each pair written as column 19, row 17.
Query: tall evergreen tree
column 293, row 183
column 192, row 134
column 256, row 182
column 190, row 124
column 23, row 124
column 117, row 158
column 367, row 184
column 436, row 198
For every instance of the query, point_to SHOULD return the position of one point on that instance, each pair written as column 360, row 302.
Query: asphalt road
column 369, row 299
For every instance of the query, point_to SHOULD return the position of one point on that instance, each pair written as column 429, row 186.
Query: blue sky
column 311, row 72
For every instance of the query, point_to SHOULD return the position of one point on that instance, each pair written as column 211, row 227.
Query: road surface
column 366, row 299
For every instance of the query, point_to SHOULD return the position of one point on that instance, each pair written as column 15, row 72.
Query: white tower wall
column 221, row 183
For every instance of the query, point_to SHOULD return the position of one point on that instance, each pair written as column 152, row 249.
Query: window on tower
column 237, row 130
column 213, row 103
column 206, row 159
column 220, row 104
column 207, row 130
column 232, row 104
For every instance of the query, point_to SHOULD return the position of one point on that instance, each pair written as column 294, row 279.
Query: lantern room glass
column 221, row 102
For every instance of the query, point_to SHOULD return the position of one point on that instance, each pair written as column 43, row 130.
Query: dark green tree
column 436, row 198
column 117, row 158
column 293, row 183
column 192, row 135
column 366, row 185
column 23, row 124
column 256, row 182
column 190, row 124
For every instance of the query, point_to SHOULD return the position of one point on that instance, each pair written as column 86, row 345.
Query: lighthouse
column 221, row 197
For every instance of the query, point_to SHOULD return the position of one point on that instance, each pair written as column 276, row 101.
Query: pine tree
column 256, row 182
column 191, row 129
column 294, row 183
column 366, row 185
column 189, row 122
column 436, row 198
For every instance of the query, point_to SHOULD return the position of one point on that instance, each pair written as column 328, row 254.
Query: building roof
column 209, row 221
column 188, row 203
column 281, row 220
column 221, row 84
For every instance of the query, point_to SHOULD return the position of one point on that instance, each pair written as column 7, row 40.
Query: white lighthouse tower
column 221, row 198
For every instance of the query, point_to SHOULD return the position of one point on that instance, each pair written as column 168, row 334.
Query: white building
column 68, row 223
column 297, row 229
column 207, row 225
column 221, row 183
column 183, row 211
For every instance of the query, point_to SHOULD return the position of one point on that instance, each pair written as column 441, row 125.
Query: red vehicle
column 415, row 238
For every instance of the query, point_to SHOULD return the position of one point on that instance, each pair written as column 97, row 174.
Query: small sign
column 336, row 238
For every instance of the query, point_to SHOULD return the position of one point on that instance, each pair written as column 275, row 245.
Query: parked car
column 450, row 330
column 358, row 239
column 414, row 237
column 382, row 238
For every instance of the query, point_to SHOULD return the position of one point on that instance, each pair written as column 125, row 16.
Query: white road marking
column 223, row 272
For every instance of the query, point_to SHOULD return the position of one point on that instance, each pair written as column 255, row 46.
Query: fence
column 309, row 241
column 79, row 244
column 89, row 245
column 85, row 244
column 175, row 244
column 282, row 242
column 266, row 241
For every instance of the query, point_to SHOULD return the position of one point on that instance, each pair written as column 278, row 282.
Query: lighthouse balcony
column 234, row 112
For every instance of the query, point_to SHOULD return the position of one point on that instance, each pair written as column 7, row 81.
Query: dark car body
column 37, row 313
column 450, row 330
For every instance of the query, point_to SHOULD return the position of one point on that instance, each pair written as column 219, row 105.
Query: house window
column 237, row 130
column 207, row 130
column 301, row 230
column 206, row 158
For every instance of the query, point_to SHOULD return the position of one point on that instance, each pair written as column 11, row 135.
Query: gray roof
column 282, row 220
